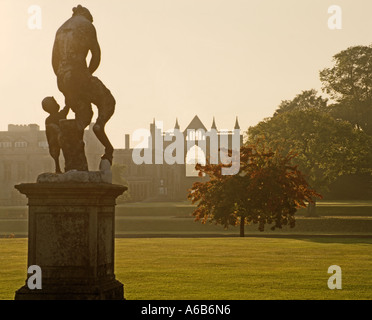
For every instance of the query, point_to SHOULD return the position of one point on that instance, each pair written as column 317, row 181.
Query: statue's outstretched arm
column 64, row 112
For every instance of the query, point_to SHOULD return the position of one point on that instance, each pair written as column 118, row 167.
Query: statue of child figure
column 52, row 128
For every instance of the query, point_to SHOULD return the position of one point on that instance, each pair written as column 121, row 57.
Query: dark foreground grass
column 223, row 268
column 168, row 226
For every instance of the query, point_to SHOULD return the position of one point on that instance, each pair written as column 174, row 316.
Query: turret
column 214, row 124
column 237, row 124
column 177, row 126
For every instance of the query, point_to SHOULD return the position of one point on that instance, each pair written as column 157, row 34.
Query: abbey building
column 24, row 155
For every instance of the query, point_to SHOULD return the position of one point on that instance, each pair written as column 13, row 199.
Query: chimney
column 127, row 142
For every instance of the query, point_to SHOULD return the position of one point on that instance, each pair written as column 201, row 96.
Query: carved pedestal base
column 71, row 238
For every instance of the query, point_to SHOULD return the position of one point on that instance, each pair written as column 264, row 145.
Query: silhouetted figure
column 74, row 39
column 52, row 127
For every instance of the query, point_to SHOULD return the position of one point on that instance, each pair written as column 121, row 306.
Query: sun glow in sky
column 177, row 58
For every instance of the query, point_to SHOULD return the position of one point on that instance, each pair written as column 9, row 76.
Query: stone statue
column 52, row 127
column 72, row 239
column 74, row 39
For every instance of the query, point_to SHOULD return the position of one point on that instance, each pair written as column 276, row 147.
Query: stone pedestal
column 71, row 237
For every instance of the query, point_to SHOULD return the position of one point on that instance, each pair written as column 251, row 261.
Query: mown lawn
column 223, row 268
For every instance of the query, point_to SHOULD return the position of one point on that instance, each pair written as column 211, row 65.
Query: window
column 200, row 135
column 43, row 144
column 193, row 135
column 5, row 144
column 190, row 135
column 7, row 171
column 21, row 171
column 20, row 144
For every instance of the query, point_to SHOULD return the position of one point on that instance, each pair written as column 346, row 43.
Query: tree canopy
column 349, row 84
column 306, row 100
column 327, row 148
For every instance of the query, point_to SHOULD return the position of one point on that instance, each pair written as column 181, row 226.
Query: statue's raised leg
column 105, row 103
column 99, row 130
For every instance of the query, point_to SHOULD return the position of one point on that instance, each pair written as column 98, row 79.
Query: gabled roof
column 195, row 124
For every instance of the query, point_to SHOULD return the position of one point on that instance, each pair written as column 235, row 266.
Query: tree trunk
column 242, row 223
column 311, row 209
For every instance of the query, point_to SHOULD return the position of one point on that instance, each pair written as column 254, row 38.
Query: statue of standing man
column 74, row 39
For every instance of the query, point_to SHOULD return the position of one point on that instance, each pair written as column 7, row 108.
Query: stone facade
column 24, row 155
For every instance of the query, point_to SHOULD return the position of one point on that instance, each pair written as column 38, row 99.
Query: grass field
column 223, row 268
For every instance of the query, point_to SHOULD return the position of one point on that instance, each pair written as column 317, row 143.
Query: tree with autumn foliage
column 267, row 190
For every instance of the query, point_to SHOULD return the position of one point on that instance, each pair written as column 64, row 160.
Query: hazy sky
column 177, row 58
